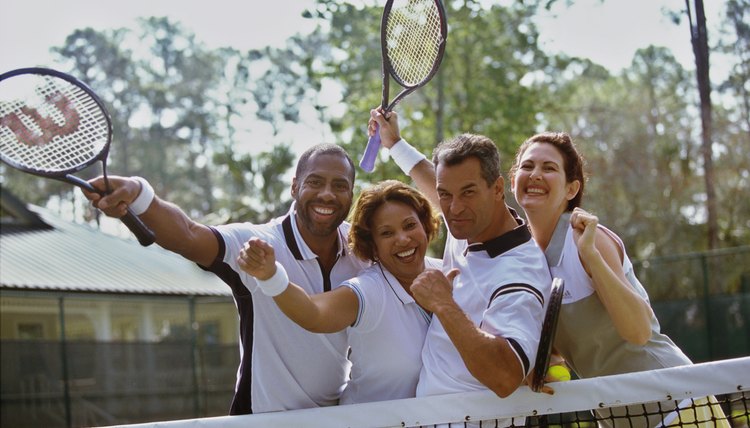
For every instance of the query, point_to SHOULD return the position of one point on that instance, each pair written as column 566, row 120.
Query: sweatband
column 405, row 156
column 144, row 198
column 276, row 284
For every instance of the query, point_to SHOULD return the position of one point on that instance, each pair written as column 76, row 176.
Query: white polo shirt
column 292, row 368
column 502, row 288
column 386, row 339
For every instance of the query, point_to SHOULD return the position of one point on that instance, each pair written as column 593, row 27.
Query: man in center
column 488, row 306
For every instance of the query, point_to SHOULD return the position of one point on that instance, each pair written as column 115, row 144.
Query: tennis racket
column 549, row 327
column 53, row 125
column 413, row 34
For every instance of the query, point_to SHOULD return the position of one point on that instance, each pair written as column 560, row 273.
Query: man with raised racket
column 488, row 306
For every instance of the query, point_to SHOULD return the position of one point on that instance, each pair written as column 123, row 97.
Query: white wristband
column 276, row 284
column 405, row 156
column 144, row 198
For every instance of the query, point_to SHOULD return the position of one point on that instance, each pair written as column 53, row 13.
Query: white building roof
column 76, row 257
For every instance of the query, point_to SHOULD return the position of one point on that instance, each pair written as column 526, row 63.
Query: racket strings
column 60, row 128
column 413, row 40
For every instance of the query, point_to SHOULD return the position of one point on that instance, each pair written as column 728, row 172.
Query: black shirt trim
column 513, row 288
column 521, row 354
column 286, row 225
column 505, row 242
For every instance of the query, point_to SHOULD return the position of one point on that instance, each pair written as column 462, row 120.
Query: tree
column 731, row 127
column 633, row 129
column 699, row 39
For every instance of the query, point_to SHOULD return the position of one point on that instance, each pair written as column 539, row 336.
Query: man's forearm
column 176, row 232
column 489, row 358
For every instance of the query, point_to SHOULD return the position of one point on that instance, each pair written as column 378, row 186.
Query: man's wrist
column 405, row 156
column 141, row 203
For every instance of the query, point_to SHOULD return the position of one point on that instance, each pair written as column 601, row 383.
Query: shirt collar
column 297, row 245
column 505, row 242
column 554, row 250
column 395, row 286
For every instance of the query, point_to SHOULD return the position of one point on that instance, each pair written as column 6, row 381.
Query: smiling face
column 323, row 192
column 400, row 240
column 540, row 183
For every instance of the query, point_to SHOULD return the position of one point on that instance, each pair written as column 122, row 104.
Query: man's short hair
column 458, row 149
column 322, row 149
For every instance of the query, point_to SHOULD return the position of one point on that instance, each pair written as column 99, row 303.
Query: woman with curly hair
column 392, row 225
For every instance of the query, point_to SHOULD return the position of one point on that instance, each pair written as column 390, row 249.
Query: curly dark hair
column 372, row 198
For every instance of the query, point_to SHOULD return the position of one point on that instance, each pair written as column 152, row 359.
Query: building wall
column 123, row 359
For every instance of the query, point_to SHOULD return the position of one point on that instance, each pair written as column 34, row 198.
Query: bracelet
column 141, row 203
column 405, row 156
column 276, row 284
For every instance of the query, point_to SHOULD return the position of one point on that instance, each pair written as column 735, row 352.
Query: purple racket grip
column 371, row 151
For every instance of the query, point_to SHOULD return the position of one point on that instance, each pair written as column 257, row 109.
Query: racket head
column 413, row 36
column 549, row 328
column 51, row 124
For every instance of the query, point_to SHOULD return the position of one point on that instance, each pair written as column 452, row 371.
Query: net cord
column 676, row 383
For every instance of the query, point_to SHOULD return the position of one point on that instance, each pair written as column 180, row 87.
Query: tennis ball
column 559, row 373
column 740, row 417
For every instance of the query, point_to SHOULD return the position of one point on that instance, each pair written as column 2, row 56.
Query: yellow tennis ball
column 559, row 373
column 740, row 416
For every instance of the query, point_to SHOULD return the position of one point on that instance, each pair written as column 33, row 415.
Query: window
column 30, row 331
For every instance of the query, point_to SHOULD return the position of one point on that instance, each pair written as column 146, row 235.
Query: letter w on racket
column 47, row 126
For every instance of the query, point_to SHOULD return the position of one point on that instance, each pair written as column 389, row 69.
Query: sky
column 608, row 33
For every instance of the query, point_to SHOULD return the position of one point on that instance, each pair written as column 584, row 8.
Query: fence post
column 707, row 306
column 194, row 356
column 64, row 362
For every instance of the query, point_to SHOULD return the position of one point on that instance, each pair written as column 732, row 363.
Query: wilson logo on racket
column 39, row 106
column 46, row 126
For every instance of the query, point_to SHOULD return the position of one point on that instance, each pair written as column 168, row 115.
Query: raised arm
column 423, row 171
column 489, row 358
column 174, row 230
column 602, row 258
column 327, row 312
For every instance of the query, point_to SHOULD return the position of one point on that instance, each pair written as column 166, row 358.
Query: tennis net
column 714, row 394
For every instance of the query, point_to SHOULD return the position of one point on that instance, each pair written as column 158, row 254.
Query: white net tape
column 728, row 380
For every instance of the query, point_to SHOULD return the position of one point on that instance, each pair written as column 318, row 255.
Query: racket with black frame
column 549, row 328
column 53, row 125
column 413, row 34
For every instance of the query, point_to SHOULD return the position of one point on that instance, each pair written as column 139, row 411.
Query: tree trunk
column 699, row 39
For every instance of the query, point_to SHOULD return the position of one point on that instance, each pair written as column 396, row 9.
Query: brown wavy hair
column 572, row 159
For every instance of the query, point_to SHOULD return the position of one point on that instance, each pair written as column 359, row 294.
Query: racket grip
column 371, row 151
column 144, row 235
